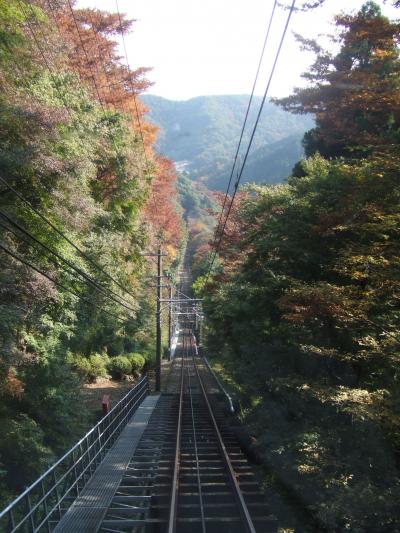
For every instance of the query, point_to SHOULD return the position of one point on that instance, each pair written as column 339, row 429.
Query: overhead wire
column 271, row 17
column 132, row 88
column 67, row 239
column 43, row 56
column 122, row 81
column 56, row 282
column 37, row 212
column 93, row 77
column 104, row 290
column 154, row 202
column 218, row 244
column 57, row 264
column 86, row 54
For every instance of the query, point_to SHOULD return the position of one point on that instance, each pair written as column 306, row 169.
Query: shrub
column 81, row 365
column 98, row 365
column 119, row 366
column 89, row 368
column 137, row 361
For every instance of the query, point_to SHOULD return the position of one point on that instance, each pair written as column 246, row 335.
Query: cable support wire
column 104, row 290
column 120, row 82
column 245, row 122
column 59, row 232
column 106, row 76
column 46, row 62
column 93, row 78
column 58, row 283
column 67, row 239
column 95, row 33
column 218, row 245
column 85, row 53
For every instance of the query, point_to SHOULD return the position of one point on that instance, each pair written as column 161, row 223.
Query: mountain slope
column 202, row 134
column 272, row 162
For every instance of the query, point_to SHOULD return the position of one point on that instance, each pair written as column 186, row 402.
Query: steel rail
column 231, row 473
column 175, row 479
column 203, row 522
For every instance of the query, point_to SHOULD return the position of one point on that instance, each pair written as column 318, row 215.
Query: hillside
column 202, row 134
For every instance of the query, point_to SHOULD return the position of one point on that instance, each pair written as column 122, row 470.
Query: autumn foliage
column 162, row 207
column 354, row 94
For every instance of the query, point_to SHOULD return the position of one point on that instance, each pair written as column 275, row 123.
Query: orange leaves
column 14, row 387
column 91, row 36
column 162, row 208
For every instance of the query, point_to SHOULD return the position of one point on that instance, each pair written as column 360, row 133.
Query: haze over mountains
column 201, row 135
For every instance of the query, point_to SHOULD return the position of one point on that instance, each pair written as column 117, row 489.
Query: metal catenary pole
column 170, row 324
column 158, row 322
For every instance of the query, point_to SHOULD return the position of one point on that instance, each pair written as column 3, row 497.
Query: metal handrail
column 228, row 397
column 43, row 503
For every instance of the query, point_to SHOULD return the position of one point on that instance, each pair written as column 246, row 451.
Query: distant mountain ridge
column 202, row 135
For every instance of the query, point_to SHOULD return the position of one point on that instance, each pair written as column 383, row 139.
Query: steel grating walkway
column 87, row 512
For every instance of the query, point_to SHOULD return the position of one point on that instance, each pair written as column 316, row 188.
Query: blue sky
column 213, row 46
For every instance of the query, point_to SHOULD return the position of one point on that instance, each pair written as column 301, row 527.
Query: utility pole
column 158, row 327
column 170, row 323
column 159, row 277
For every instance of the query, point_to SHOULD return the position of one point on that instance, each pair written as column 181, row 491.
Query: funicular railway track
column 188, row 473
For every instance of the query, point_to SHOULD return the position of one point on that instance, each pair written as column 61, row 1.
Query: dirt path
column 93, row 394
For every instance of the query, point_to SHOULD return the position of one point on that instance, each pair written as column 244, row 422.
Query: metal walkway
column 87, row 512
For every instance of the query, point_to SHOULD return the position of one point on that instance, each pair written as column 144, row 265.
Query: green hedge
column 119, row 365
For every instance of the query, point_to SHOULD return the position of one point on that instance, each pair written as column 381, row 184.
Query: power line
column 28, row 243
column 93, row 76
column 32, row 31
column 134, row 99
column 245, row 121
column 41, row 51
column 50, row 278
column 61, row 234
column 251, row 139
column 104, row 290
column 86, row 54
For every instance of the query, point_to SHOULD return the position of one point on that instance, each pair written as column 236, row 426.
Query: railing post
column 99, row 442
column 46, row 510
column 31, row 518
column 57, row 494
column 76, row 474
column 12, row 521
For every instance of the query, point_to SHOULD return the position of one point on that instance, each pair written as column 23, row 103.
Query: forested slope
column 203, row 132
column 83, row 193
column 303, row 312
